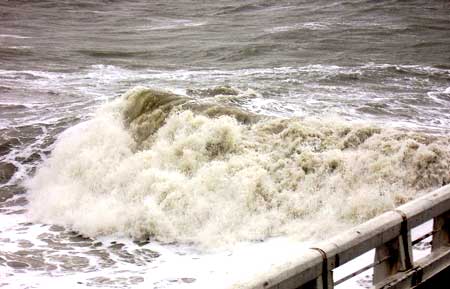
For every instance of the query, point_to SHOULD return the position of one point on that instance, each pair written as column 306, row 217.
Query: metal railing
column 390, row 235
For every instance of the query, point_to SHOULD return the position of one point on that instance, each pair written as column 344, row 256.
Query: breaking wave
column 153, row 164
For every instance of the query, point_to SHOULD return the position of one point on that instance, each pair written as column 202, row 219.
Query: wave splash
column 153, row 164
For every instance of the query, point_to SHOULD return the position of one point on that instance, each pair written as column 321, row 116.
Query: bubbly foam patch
column 154, row 164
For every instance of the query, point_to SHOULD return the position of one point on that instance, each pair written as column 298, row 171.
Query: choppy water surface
column 282, row 98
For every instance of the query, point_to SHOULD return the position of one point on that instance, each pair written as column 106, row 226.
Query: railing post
column 387, row 255
column 441, row 229
column 394, row 255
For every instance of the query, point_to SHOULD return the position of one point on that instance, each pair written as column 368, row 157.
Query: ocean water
column 182, row 144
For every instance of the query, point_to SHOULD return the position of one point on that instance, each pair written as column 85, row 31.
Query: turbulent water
column 267, row 125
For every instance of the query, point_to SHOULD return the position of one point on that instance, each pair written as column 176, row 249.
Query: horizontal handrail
column 354, row 242
column 379, row 230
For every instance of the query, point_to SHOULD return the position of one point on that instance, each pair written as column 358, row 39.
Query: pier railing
column 390, row 235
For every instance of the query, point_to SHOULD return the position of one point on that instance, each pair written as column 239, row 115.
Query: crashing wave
column 153, row 164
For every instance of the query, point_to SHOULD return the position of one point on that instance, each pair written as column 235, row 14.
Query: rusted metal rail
column 390, row 235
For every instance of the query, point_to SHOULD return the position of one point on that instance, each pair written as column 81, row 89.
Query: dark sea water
column 385, row 63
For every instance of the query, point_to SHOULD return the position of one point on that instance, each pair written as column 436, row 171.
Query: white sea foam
column 13, row 36
column 299, row 26
column 169, row 24
column 20, row 47
column 152, row 164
